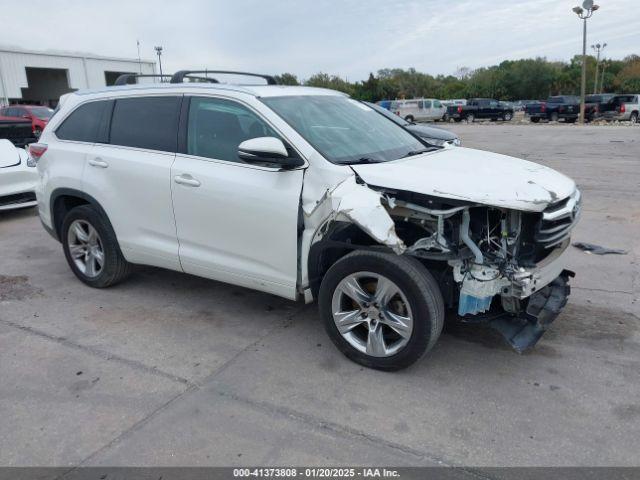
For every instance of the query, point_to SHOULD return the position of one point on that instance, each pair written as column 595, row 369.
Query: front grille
column 558, row 219
column 17, row 199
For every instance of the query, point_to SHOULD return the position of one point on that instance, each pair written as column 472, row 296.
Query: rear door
column 128, row 173
column 237, row 222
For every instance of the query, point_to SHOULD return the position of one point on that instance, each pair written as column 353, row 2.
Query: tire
column 573, row 120
column 535, row 119
column 418, row 302
column 470, row 117
column 457, row 120
column 85, row 251
column 634, row 117
column 553, row 117
column 37, row 132
column 507, row 116
column 409, row 118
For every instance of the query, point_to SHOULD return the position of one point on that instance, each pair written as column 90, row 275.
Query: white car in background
column 17, row 179
column 419, row 109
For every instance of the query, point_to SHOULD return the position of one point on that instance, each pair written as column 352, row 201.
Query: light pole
column 159, row 52
column 584, row 12
column 598, row 48
column 604, row 67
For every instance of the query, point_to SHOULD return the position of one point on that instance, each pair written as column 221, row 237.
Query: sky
column 343, row 37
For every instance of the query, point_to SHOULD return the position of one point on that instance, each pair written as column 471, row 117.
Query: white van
column 420, row 109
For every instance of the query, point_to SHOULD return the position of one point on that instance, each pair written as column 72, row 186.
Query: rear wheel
column 535, row 119
column 409, row 118
column 507, row 116
column 37, row 132
column 381, row 310
column 91, row 248
column 634, row 117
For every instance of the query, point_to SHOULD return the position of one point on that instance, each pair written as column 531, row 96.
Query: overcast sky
column 345, row 37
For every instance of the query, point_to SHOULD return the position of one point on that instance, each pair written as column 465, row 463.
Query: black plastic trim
column 71, row 192
column 179, row 76
column 124, row 79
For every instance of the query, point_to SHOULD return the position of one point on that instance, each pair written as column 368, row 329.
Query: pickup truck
column 558, row 107
column 17, row 131
column 480, row 108
column 596, row 104
column 622, row 108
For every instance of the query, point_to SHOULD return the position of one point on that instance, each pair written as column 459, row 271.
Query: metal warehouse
column 41, row 77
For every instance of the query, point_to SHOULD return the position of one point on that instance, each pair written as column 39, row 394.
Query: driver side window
column 217, row 126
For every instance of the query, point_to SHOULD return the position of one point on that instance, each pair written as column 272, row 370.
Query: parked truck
column 18, row 131
column 479, row 108
column 558, row 107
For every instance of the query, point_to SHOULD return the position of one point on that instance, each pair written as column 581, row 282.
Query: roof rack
column 124, row 78
column 179, row 77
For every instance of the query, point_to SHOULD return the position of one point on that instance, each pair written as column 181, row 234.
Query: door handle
column 186, row 180
column 98, row 162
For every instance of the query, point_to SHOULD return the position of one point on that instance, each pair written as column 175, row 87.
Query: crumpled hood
column 473, row 175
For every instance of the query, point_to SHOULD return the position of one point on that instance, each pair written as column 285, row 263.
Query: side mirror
column 267, row 150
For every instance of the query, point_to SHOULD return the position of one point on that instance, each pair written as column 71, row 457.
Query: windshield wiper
column 413, row 153
column 364, row 160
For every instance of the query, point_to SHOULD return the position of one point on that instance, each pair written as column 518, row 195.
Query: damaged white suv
column 307, row 194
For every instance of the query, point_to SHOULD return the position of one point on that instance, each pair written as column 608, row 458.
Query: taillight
column 543, row 107
column 36, row 150
column 622, row 108
column 460, row 109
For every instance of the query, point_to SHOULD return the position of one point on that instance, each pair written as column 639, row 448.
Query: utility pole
column 139, row 61
column 159, row 52
column 584, row 12
column 598, row 48
column 604, row 67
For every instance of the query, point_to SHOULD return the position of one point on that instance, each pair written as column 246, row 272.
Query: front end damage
column 498, row 266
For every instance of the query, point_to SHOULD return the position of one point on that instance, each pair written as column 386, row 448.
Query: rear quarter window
column 146, row 122
column 83, row 124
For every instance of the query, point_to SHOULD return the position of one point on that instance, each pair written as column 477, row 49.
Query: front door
column 236, row 222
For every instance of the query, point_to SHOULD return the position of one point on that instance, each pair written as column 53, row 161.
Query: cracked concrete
column 169, row 369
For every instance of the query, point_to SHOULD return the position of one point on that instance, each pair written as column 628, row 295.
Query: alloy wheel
column 372, row 314
column 85, row 248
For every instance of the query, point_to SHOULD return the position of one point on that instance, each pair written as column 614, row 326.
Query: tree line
column 531, row 79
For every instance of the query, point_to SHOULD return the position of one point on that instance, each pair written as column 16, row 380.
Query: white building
column 41, row 77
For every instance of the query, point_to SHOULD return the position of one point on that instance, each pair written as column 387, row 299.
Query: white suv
column 307, row 194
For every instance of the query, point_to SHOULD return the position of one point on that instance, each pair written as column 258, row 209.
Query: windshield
column 344, row 130
column 43, row 113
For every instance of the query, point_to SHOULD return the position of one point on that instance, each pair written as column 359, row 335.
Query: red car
column 38, row 115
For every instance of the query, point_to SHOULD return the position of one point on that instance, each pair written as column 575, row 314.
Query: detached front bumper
column 523, row 330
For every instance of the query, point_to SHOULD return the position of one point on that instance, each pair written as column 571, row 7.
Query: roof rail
column 125, row 77
column 179, row 77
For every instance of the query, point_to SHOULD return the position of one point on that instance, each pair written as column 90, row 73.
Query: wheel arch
column 63, row 200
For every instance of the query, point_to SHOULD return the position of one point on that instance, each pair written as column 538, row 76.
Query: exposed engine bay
column 496, row 265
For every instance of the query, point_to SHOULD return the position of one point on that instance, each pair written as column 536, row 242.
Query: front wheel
column 470, row 117
column 381, row 310
column 553, row 117
column 91, row 248
column 507, row 116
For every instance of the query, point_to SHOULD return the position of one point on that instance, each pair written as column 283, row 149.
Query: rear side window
column 83, row 125
column 146, row 122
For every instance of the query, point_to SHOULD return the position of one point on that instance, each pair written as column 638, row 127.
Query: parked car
column 17, row 130
column 38, row 115
column 420, row 109
column 17, row 179
column 622, row 108
column 594, row 105
column 560, row 107
column 307, row 194
column 433, row 135
column 480, row 108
